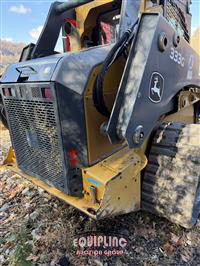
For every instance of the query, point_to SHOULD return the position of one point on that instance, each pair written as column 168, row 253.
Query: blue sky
column 21, row 21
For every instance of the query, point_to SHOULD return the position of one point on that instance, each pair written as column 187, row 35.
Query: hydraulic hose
column 117, row 50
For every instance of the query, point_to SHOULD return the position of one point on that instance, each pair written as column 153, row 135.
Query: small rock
column 189, row 242
column 138, row 249
column 4, row 178
column 7, row 252
column 30, row 242
column 5, row 207
column 46, row 200
column 125, row 232
column 189, row 235
column 40, row 190
column 27, row 205
column 2, row 174
column 3, row 216
column 118, row 262
column 2, row 259
column 64, row 261
column 25, row 191
column 98, row 262
column 47, row 196
column 16, row 176
column 53, row 262
column 26, row 218
column 35, row 234
column 154, row 257
column 34, row 215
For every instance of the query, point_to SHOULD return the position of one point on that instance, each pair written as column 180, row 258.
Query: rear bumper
column 115, row 184
column 78, row 203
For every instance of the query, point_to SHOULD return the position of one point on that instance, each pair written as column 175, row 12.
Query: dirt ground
column 37, row 228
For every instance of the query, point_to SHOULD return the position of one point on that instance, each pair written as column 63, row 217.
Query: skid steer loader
column 111, row 125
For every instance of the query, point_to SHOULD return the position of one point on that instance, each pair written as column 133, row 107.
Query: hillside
column 9, row 53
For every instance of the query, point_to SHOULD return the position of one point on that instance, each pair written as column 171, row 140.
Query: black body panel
column 72, row 120
column 134, row 113
column 35, row 132
column 37, row 70
column 43, row 130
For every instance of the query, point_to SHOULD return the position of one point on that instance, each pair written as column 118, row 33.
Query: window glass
column 109, row 27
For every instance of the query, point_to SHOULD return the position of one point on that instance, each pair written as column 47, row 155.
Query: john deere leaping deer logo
column 156, row 87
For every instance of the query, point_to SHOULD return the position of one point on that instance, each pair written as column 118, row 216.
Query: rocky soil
column 37, row 229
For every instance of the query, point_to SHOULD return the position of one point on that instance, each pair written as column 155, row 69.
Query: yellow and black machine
column 110, row 125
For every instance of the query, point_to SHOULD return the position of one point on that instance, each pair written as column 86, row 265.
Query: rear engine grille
column 177, row 19
column 35, row 139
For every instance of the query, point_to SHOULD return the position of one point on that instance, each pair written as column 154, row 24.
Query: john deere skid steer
column 111, row 124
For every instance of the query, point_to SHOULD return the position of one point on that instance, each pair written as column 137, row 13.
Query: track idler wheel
column 171, row 182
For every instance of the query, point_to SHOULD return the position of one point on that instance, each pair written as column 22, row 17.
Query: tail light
column 47, row 93
column 73, row 158
column 6, row 92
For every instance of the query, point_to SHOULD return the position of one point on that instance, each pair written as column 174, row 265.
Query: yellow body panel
column 185, row 115
column 85, row 21
column 10, row 159
column 116, row 181
column 99, row 146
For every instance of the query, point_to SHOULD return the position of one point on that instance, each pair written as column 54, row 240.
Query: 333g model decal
column 177, row 57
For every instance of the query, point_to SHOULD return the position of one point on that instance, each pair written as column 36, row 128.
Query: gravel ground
column 37, row 228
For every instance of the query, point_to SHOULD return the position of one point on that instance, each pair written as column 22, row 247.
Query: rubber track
column 170, row 187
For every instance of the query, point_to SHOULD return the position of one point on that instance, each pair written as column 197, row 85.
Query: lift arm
column 159, row 65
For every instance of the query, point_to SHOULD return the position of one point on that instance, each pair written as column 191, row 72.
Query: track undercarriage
column 171, row 183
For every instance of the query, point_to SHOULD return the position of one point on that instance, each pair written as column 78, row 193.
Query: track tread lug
column 172, row 175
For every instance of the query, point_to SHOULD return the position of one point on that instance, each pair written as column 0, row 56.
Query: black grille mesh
column 35, row 138
column 176, row 18
column 36, row 92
